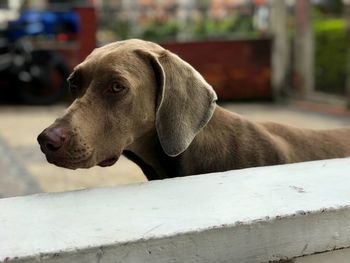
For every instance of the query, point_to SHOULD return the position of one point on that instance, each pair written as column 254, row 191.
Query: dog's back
column 308, row 144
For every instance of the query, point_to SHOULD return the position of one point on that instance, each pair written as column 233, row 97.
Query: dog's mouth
column 70, row 163
column 109, row 162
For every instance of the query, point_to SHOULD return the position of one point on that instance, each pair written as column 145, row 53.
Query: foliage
column 160, row 31
column 123, row 29
column 330, row 55
column 170, row 29
column 232, row 26
column 332, row 7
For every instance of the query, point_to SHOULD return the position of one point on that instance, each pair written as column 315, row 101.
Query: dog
column 135, row 98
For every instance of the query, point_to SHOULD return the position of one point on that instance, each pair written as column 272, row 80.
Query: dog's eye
column 115, row 88
column 73, row 83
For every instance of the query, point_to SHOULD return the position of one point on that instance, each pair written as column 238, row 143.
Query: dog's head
column 124, row 91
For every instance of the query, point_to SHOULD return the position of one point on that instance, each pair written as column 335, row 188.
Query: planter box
column 237, row 69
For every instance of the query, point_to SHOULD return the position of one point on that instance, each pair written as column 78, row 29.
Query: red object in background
column 260, row 2
column 62, row 37
column 87, row 35
column 85, row 42
column 237, row 69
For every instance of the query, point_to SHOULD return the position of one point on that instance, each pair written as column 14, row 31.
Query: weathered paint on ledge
column 333, row 256
column 252, row 215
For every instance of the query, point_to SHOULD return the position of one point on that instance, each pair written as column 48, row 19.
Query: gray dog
column 135, row 98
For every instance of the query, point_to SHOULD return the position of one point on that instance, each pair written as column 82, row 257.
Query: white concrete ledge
column 252, row 215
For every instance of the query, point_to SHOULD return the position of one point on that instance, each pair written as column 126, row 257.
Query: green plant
column 123, row 28
column 160, row 31
column 331, row 49
column 232, row 26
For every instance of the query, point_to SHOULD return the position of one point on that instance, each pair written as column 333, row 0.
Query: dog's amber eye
column 115, row 88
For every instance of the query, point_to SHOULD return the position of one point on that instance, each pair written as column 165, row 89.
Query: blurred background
column 285, row 61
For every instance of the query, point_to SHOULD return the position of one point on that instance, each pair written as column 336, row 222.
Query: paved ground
column 24, row 170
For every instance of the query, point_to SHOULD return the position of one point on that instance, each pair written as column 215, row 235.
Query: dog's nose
column 52, row 139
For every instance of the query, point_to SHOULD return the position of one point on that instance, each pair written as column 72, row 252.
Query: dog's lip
column 67, row 162
column 109, row 161
column 70, row 162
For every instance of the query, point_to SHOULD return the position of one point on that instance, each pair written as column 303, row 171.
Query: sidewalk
column 24, row 170
column 14, row 177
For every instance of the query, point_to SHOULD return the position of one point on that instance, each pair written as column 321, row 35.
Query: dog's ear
column 185, row 101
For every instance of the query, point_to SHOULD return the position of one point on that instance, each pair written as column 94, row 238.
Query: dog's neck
column 148, row 154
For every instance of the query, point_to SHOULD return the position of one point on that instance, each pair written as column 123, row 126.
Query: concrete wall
column 264, row 214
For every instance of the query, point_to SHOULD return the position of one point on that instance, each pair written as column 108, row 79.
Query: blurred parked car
column 36, row 75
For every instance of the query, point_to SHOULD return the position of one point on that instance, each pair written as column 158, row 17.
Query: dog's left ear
column 185, row 101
